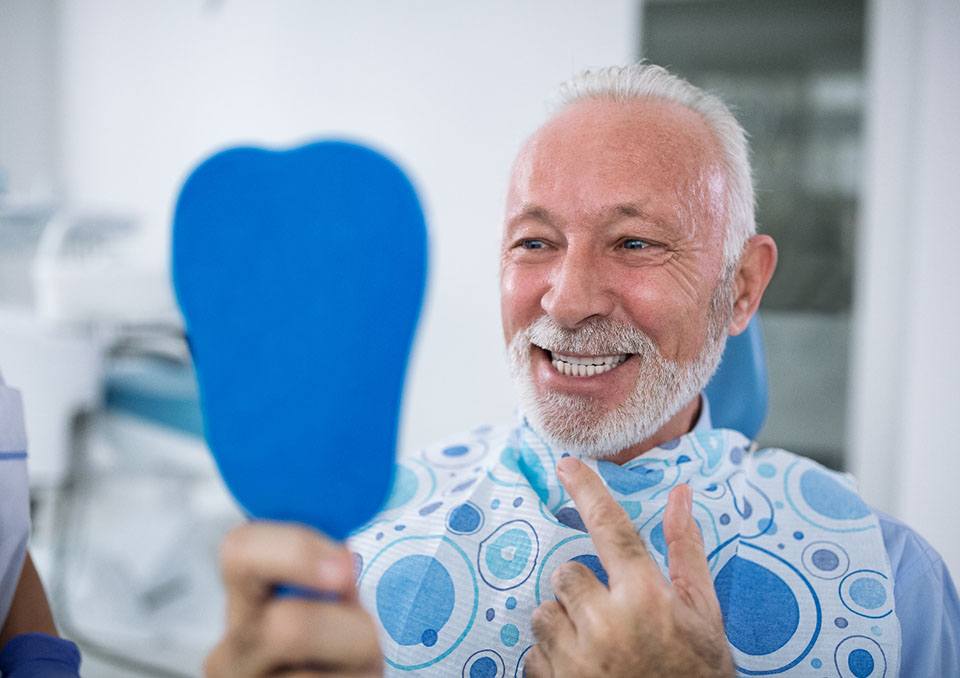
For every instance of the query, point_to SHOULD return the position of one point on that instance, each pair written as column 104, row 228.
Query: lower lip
column 545, row 373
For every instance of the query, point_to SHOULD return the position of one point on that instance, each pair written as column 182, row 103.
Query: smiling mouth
column 584, row 365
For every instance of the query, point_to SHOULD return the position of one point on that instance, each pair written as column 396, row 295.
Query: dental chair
column 738, row 390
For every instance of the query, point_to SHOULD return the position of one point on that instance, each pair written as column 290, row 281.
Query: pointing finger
column 620, row 548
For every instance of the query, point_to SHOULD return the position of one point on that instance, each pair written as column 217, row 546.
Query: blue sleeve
column 37, row 655
column 926, row 604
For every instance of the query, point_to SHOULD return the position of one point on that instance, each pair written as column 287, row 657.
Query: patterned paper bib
column 462, row 554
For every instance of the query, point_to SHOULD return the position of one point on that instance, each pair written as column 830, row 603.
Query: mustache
column 598, row 336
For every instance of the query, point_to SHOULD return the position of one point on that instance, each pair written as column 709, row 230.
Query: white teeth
column 577, row 366
column 596, row 360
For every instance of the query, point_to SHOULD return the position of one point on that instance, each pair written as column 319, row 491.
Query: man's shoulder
column 826, row 498
column 912, row 558
column 917, row 568
column 927, row 604
column 904, row 544
column 800, row 468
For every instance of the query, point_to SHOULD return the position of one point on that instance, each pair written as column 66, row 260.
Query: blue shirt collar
column 704, row 422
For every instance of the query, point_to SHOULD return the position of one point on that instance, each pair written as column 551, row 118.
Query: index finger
column 620, row 548
column 258, row 556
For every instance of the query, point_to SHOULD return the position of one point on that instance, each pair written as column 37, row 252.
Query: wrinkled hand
column 289, row 636
column 642, row 625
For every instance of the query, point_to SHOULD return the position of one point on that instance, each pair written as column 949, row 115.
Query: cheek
column 521, row 290
column 672, row 320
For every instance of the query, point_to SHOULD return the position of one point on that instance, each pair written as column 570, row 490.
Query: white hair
column 642, row 80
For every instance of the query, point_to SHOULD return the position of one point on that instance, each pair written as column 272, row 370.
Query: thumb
column 688, row 560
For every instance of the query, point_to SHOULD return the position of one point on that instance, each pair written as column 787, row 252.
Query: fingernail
column 568, row 466
column 689, row 498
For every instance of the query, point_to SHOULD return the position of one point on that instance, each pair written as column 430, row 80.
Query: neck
column 680, row 424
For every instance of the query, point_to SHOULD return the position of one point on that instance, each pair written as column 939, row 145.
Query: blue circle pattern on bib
column 484, row 664
column 860, row 657
column 507, row 557
column 426, row 602
column 465, row 518
column 789, row 545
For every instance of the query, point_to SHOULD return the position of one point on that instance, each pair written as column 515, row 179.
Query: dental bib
column 455, row 565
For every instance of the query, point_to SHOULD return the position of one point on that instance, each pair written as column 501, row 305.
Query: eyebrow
column 630, row 209
column 609, row 214
column 531, row 212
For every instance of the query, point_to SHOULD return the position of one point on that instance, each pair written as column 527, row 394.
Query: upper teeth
column 585, row 366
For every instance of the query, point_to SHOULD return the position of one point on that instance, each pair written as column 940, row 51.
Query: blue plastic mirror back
column 301, row 275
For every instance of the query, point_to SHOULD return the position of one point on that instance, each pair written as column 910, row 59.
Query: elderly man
column 611, row 530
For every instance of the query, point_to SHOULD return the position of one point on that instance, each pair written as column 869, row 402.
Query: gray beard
column 664, row 387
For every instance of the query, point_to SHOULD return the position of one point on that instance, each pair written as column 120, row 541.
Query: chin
column 579, row 425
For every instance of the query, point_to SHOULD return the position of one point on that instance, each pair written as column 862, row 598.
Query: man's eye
column 635, row 244
column 532, row 244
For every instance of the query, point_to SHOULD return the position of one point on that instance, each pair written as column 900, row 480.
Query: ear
column 757, row 263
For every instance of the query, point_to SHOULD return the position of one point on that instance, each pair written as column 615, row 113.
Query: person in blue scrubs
column 29, row 645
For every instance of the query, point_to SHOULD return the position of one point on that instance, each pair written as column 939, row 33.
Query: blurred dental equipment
column 128, row 509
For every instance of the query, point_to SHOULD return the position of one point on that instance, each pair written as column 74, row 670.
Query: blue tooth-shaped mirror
column 301, row 274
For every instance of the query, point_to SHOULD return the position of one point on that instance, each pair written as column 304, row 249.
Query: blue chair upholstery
column 738, row 391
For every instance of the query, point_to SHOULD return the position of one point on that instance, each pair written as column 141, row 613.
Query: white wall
column 28, row 62
column 449, row 87
column 905, row 399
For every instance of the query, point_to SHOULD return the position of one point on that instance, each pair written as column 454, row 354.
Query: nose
column 577, row 291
